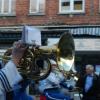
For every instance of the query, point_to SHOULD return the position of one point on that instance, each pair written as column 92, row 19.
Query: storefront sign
column 87, row 44
column 81, row 44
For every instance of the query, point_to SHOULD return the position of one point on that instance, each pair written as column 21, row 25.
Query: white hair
column 91, row 67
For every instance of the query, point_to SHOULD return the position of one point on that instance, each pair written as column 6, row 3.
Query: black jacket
column 94, row 90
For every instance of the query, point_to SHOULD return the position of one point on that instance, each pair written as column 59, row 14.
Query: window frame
column 9, row 8
column 72, row 11
column 37, row 8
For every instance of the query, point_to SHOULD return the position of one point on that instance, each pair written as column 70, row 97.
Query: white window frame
column 9, row 7
column 72, row 8
column 37, row 8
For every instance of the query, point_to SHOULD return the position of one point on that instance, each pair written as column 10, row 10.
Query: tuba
column 35, row 62
column 64, row 51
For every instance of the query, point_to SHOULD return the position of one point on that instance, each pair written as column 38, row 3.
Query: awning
column 76, row 30
column 93, row 30
column 86, row 30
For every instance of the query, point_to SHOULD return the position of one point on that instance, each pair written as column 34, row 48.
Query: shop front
column 87, row 41
column 87, row 52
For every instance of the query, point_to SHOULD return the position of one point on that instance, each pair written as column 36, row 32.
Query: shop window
column 7, row 7
column 37, row 6
column 71, row 6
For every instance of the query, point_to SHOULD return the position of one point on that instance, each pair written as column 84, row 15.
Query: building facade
column 53, row 17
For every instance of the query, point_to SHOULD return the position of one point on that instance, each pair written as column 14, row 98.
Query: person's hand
column 18, row 51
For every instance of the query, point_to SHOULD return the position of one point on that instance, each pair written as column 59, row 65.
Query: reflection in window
column 13, row 9
column 33, row 5
column 0, row 5
column 41, row 6
column 7, row 6
column 78, row 5
column 37, row 6
column 71, row 6
column 65, row 5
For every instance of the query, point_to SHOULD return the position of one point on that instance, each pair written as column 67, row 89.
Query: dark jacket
column 94, row 89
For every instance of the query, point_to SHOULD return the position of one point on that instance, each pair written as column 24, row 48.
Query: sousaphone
column 35, row 63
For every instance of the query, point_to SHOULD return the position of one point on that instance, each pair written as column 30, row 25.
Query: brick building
column 53, row 17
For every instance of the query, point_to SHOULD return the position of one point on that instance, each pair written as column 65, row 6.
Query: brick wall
column 91, row 15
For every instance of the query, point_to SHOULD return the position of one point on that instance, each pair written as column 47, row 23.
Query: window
column 99, row 6
column 71, row 6
column 7, row 6
column 37, row 6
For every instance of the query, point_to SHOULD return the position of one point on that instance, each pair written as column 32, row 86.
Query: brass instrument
column 65, row 53
column 35, row 63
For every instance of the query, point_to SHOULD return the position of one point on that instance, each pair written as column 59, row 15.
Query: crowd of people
column 55, row 86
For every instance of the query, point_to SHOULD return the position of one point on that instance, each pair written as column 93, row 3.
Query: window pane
column 0, row 5
column 13, row 8
column 41, row 6
column 65, row 5
column 6, row 6
column 78, row 5
column 33, row 5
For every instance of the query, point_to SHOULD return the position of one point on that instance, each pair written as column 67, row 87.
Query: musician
column 10, row 77
column 50, row 87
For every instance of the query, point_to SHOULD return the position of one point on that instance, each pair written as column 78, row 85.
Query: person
column 10, row 77
column 0, row 65
column 50, row 88
column 89, row 84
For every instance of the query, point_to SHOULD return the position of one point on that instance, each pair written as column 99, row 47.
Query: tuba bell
column 35, row 62
column 64, row 51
